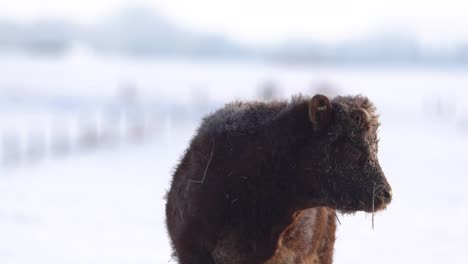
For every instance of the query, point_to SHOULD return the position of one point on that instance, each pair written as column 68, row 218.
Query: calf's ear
column 320, row 112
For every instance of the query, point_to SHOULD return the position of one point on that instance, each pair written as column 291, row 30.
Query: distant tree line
column 143, row 33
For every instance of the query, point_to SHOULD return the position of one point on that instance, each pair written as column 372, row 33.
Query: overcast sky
column 261, row 21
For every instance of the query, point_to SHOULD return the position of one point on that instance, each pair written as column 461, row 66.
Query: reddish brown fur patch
column 308, row 240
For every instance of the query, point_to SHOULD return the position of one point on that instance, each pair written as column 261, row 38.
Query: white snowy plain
column 107, row 206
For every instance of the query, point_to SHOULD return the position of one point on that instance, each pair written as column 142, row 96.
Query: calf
column 260, row 182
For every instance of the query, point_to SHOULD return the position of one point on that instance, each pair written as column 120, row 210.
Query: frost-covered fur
column 241, row 118
column 260, row 181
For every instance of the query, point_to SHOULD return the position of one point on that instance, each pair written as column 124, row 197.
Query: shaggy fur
column 260, row 182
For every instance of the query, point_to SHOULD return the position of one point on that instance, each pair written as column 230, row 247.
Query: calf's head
column 339, row 167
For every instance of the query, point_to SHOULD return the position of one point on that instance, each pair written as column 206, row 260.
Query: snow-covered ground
column 107, row 206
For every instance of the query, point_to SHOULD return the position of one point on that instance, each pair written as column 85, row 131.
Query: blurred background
column 98, row 100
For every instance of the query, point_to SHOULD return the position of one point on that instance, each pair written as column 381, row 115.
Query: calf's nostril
column 387, row 195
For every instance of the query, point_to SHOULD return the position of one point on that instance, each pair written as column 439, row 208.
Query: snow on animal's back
column 241, row 118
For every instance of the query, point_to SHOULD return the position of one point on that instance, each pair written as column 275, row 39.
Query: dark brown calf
column 260, row 182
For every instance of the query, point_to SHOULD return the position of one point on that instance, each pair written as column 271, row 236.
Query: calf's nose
column 387, row 195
